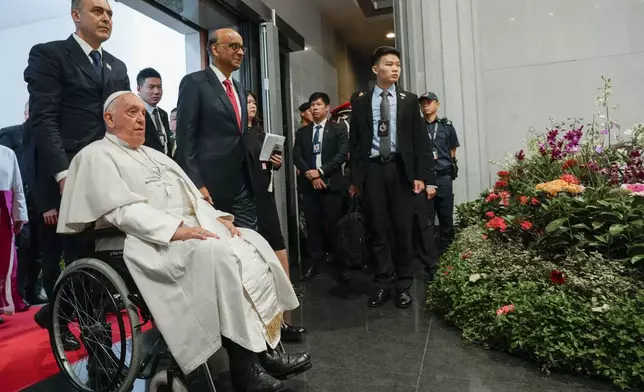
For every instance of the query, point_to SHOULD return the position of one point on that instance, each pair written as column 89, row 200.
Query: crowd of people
column 67, row 166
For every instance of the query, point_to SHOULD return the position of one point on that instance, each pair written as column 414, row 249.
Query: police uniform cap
column 428, row 96
column 304, row 107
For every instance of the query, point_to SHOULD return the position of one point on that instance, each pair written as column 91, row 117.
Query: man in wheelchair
column 204, row 281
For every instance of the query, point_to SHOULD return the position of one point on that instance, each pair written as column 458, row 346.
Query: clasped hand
column 184, row 233
column 314, row 176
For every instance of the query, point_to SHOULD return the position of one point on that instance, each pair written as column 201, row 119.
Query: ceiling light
column 391, row 35
column 551, row 14
column 512, row 18
column 306, row 48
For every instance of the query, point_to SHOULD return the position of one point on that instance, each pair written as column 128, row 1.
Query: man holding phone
column 320, row 150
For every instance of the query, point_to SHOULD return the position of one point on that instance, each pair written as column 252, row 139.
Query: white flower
column 475, row 277
column 628, row 132
column 601, row 309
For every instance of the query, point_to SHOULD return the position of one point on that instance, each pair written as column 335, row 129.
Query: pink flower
column 466, row 255
column 523, row 200
column 491, row 197
column 490, row 214
column 635, row 189
column 505, row 309
column 526, row 225
column 534, row 201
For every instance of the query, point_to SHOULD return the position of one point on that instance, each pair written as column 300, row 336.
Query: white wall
column 136, row 39
column 503, row 66
column 312, row 69
column 546, row 58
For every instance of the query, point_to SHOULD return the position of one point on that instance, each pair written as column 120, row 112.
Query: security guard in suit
column 444, row 142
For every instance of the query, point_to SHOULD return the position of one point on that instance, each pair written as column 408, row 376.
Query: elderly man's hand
column 234, row 231
column 206, row 195
column 192, row 233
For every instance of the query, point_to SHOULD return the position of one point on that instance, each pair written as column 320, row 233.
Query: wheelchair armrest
column 108, row 232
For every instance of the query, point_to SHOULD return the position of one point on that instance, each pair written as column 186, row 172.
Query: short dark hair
column 77, row 4
column 145, row 74
column 173, row 110
column 323, row 96
column 383, row 51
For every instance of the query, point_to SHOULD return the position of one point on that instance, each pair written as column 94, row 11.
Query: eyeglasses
column 235, row 47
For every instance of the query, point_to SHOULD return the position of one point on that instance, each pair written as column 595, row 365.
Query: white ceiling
column 21, row 12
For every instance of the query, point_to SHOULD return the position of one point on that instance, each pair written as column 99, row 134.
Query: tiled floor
column 356, row 349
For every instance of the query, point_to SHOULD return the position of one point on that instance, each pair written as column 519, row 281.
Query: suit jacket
column 412, row 145
column 66, row 98
column 152, row 137
column 210, row 143
column 335, row 147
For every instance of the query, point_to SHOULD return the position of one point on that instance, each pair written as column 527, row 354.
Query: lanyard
column 432, row 136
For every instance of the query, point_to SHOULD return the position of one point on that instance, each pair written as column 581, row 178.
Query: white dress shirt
column 222, row 78
column 150, row 110
column 318, row 158
column 87, row 49
column 10, row 180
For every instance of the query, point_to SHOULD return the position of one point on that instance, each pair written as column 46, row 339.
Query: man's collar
column 220, row 75
column 322, row 123
column 377, row 90
column 118, row 141
column 87, row 48
column 149, row 107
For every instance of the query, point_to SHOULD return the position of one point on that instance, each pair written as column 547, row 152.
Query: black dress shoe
column 70, row 343
column 1, row 320
column 285, row 365
column 255, row 379
column 379, row 298
column 310, row 273
column 403, row 299
column 292, row 333
column 37, row 299
column 25, row 307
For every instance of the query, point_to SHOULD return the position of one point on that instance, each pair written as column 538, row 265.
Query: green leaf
column 581, row 226
column 636, row 249
column 555, row 225
column 637, row 259
column 617, row 229
column 597, row 225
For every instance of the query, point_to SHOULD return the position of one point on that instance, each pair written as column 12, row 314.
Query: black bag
column 350, row 245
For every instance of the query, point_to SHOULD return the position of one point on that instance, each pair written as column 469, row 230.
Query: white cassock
column 196, row 290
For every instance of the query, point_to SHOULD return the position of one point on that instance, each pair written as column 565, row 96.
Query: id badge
column 383, row 128
column 264, row 166
column 316, row 148
column 435, row 154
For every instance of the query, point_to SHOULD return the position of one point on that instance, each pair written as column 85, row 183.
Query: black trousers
column 28, row 243
column 241, row 206
column 444, row 209
column 389, row 201
column 51, row 247
column 322, row 212
column 424, row 241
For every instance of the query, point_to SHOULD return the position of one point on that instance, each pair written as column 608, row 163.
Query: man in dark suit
column 212, row 123
column 157, row 126
column 68, row 82
column 392, row 161
column 27, row 240
column 320, row 151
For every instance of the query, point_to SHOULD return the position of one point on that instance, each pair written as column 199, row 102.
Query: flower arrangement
column 549, row 263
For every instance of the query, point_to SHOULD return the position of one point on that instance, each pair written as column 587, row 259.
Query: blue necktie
column 96, row 62
column 316, row 141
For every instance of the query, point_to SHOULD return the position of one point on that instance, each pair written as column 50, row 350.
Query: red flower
column 520, row 156
column 523, row 200
column 534, row 201
column 505, row 309
column 466, row 255
column 557, row 277
column 497, row 223
column 570, row 179
column 490, row 214
column 500, row 184
column 503, row 174
column 491, row 197
column 526, row 225
column 568, row 164
column 505, row 198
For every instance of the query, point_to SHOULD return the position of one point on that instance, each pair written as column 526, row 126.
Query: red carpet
column 25, row 353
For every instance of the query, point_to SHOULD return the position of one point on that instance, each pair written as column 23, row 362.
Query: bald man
column 212, row 119
column 201, row 277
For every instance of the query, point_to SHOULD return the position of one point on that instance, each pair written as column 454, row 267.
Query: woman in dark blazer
column 267, row 217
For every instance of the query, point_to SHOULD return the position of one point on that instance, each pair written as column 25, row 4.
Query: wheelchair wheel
column 84, row 305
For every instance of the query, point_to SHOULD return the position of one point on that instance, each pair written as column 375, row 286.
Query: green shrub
column 582, row 313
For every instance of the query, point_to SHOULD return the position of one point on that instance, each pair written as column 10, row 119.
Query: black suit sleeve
column 423, row 156
column 188, row 123
column 44, row 82
column 340, row 157
column 354, row 143
column 127, row 79
column 6, row 138
column 298, row 158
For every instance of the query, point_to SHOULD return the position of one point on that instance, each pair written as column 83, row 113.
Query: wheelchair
column 97, row 300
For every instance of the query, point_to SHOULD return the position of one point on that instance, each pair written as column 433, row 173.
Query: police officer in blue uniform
column 444, row 142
